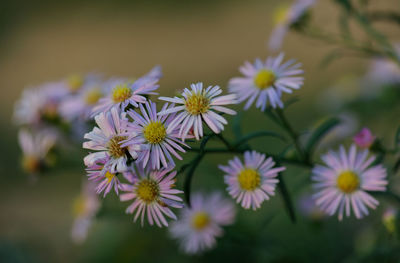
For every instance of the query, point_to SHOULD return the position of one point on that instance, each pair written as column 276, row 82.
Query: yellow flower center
column 30, row 164
column 348, row 181
column 281, row 15
column 109, row 177
column 79, row 206
column 121, row 93
column 148, row 190
column 264, row 79
column 114, row 147
column 197, row 104
column 154, row 132
column 249, row 179
column 200, row 220
column 75, row 82
column 93, row 96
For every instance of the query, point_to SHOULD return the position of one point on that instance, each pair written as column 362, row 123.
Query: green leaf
column 319, row 134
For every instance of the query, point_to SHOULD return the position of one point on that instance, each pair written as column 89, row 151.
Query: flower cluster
column 137, row 139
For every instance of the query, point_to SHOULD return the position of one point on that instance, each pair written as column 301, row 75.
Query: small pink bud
column 364, row 139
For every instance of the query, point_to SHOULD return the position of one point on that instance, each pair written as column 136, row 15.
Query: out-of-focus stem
column 292, row 133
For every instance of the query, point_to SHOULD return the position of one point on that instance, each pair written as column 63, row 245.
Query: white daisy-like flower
column 35, row 147
column 198, row 226
column 341, row 184
column 106, row 141
column 198, row 105
column 254, row 181
column 285, row 17
column 158, row 142
column 264, row 83
column 153, row 195
column 85, row 207
column 123, row 92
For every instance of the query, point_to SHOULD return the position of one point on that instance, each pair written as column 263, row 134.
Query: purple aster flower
column 285, row 17
column 364, row 139
column 264, row 83
column 35, row 147
column 106, row 141
column 389, row 219
column 99, row 172
column 39, row 106
column 152, row 194
column 198, row 226
column 252, row 183
column 79, row 105
column 198, row 105
column 85, row 207
column 308, row 208
column 124, row 93
column 341, row 184
column 158, row 142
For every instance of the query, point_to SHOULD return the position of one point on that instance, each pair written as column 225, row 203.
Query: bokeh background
column 193, row 41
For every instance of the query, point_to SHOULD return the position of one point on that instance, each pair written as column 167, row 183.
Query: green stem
column 227, row 144
column 292, row 133
column 286, row 198
column 255, row 135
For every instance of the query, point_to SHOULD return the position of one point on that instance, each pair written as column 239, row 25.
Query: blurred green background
column 193, row 41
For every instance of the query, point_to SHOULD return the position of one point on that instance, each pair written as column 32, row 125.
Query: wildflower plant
column 138, row 141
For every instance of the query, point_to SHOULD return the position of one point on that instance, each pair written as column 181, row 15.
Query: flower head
column 198, row 105
column 40, row 106
column 35, row 147
column 85, row 207
column 390, row 218
column 108, row 180
column 264, row 83
column 364, row 139
column 106, row 140
column 199, row 225
column 123, row 92
column 286, row 17
column 341, row 184
column 308, row 208
column 153, row 194
column 252, row 182
column 79, row 104
column 158, row 142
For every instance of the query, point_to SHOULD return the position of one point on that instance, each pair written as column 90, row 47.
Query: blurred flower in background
column 85, row 207
column 364, row 139
column 286, row 17
column 200, row 224
column 35, row 148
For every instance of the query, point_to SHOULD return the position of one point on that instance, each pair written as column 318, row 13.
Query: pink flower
column 364, row 139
